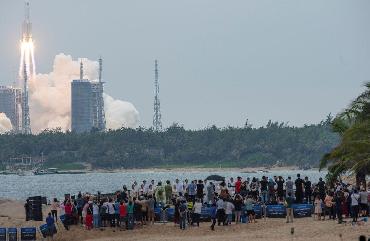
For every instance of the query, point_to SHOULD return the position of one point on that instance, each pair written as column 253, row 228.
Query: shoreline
column 202, row 169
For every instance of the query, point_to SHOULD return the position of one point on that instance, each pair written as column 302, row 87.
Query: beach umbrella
column 217, row 178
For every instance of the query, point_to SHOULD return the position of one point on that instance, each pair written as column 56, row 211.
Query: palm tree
column 353, row 152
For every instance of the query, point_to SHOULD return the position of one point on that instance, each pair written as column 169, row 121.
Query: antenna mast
column 157, row 119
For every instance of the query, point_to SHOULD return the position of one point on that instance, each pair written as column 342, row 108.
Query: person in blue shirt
column 50, row 226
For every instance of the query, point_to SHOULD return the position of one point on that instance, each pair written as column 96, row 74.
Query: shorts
column 250, row 212
column 364, row 206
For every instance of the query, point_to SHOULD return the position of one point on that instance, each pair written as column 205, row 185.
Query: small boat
column 56, row 171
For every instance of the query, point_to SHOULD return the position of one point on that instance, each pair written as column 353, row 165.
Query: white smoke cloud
column 120, row 113
column 50, row 97
column 5, row 124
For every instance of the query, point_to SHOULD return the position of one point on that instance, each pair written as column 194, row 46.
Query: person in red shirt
column 68, row 214
column 123, row 214
column 238, row 185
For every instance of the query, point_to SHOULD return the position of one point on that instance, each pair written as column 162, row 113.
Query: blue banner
column 302, row 210
column 258, row 210
column 28, row 234
column 2, row 234
column 12, row 234
column 276, row 211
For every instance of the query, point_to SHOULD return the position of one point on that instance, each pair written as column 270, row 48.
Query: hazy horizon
column 220, row 62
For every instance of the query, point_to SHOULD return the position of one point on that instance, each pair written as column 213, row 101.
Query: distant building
column 11, row 105
column 86, row 109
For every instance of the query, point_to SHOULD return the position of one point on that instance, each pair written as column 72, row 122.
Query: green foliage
column 353, row 152
column 210, row 147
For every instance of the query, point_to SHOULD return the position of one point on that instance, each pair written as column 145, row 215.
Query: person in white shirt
column 111, row 213
column 179, row 187
column 231, row 186
column 364, row 195
column 96, row 215
column 355, row 197
column 229, row 211
column 197, row 211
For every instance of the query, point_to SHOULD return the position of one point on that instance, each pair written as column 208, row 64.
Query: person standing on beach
column 54, row 209
column 238, row 204
column 50, row 227
column 151, row 205
column 289, row 186
column 123, row 215
column 299, row 189
column 322, row 191
column 192, row 188
column 182, row 214
column 96, row 213
column 179, row 187
column 364, row 195
column 68, row 216
column 89, row 216
column 80, row 205
column 264, row 191
column 318, row 207
column 280, row 187
column 168, row 191
column 339, row 200
column 220, row 205
column 200, row 188
column 307, row 190
column 229, row 208
column 249, row 207
column 210, row 192
column 160, row 194
column 355, row 197
column 329, row 205
column 197, row 211
column 238, row 185
column 289, row 210
column 27, row 209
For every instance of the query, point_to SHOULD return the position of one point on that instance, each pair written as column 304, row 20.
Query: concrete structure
column 87, row 109
column 11, row 105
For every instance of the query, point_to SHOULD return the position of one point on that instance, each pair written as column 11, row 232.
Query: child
column 318, row 207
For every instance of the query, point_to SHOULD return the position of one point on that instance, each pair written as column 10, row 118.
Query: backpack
column 182, row 208
column 103, row 209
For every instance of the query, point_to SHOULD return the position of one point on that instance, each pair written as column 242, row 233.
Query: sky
column 220, row 62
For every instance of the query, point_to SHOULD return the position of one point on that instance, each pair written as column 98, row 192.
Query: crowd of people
column 228, row 201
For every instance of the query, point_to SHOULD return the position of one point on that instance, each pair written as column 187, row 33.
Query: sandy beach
column 12, row 215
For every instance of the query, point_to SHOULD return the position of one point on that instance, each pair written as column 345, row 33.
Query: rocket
column 27, row 25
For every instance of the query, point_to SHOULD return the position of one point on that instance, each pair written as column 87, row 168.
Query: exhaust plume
column 50, row 97
column 5, row 124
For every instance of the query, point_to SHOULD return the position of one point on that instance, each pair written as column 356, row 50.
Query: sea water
column 56, row 185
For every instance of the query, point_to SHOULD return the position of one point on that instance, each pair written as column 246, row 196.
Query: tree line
column 276, row 142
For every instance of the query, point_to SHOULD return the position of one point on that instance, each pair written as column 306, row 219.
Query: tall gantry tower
column 157, row 118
